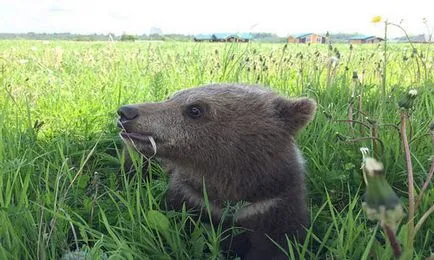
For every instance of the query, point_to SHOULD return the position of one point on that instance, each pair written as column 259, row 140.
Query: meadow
column 63, row 188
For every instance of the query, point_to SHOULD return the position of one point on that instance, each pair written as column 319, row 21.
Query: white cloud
column 195, row 16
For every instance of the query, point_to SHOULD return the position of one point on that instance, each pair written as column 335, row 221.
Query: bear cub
column 237, row 142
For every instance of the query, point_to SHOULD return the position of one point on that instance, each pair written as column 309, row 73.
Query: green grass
column 61, row 183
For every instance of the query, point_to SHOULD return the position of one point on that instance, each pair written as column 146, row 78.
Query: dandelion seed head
column 372, row 166
column 412, row 92
column 365, row 152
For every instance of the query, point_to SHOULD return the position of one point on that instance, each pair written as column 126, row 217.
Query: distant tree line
column 268, row 37
column 94, row 37
column 257, row 37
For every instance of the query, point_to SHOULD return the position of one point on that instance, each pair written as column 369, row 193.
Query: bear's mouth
column 127, row 135
column 142, row 142
column 143, row 137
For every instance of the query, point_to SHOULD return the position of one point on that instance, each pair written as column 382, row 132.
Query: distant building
column 223, row 37
column 307, row 38
column 292, row 39
column 365, row 39
column 421, row 38
column 202, row 37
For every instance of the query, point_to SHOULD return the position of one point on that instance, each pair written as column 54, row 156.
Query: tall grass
column 62, row 186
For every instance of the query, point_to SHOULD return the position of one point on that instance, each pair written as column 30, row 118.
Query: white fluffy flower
column 412, row 92
column 334, row 59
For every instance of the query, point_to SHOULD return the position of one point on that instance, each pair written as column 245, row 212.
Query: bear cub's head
column 215, row 122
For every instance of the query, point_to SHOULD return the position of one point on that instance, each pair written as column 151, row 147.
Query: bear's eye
column 194, row 111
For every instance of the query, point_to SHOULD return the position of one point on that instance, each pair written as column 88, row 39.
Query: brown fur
column 241, row 149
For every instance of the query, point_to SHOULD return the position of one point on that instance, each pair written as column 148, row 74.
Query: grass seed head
column 355, row 76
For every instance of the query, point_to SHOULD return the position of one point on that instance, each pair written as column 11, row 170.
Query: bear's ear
column 296, row 113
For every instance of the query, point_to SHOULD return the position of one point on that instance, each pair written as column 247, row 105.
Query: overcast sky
column 207, row 16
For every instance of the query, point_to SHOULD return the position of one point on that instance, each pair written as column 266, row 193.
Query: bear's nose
column 128, row 112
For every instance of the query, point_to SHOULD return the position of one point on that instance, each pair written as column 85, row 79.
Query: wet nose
column 128, row 112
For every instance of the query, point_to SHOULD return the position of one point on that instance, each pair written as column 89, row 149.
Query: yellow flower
column 376, row 19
